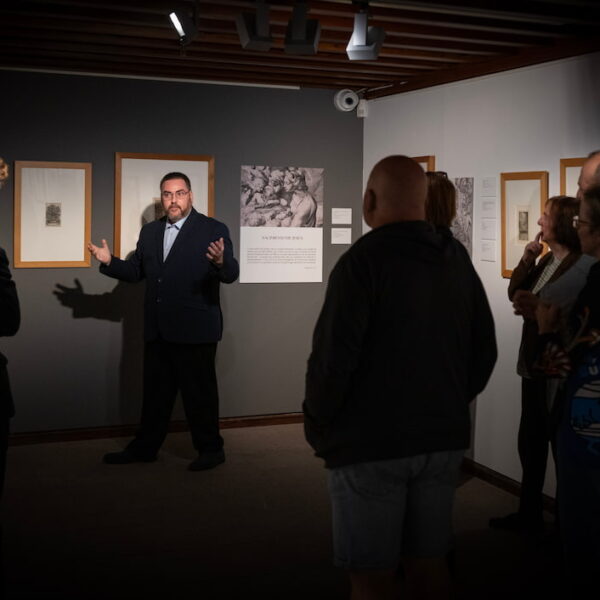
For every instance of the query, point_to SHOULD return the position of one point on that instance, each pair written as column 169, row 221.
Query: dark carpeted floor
column 257, row 526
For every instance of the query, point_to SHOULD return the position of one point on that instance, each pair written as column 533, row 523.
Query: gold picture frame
column 426, row 162
column 52, row 214
column 137, row 197
column 569, row 174
column 523, row 196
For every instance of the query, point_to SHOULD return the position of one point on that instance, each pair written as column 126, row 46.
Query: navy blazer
column 182, row 293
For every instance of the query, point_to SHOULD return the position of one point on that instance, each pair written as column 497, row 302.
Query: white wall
column 521, row 120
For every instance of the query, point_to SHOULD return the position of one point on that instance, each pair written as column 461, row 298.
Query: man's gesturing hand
column 101, row 253
column 215, row 252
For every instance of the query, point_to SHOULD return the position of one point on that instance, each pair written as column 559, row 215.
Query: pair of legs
column 535, row 435
column 533, row 442
column 392, row 511
column 169, row 368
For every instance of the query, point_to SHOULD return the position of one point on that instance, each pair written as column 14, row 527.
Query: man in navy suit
column 183, row 257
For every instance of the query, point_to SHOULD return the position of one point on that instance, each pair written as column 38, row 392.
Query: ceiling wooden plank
column 207, row 75
column 495, row 65
column 16, row 46
column 276, row 73
column 427, row 42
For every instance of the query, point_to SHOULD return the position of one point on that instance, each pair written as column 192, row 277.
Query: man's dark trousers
column 168, row 368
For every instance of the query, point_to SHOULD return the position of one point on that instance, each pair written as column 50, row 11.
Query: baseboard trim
column 92, row 433
column 501, row 481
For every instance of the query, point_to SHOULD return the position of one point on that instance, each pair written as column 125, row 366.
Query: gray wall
column 79, row 365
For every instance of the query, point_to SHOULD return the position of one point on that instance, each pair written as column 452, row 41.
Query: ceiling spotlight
column 365, row 41
column 253, row 29
column 302, row 34
column 184, row 25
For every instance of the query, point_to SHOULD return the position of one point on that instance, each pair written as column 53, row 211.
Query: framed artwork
column 426, row 162
column 53, row 214
column 523, row 199
column 569, row 175
column 137, row 193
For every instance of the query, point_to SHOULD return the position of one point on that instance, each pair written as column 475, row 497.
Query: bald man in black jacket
column 404, row 342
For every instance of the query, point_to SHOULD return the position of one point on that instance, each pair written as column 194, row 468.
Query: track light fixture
column 184, row 25
column 253, row 29
column 365, row 41
column 302, row 34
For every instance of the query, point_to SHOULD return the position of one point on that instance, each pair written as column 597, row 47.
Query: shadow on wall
column 124, row 303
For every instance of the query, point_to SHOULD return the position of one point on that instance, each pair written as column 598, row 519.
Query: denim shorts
column 385, row 509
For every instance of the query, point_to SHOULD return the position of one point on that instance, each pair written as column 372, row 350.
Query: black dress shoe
column 517, row 523
column 125, row 457
column 207, row 460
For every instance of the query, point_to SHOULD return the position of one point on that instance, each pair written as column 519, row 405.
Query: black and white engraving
column 462, row 227
column 281, row 197
column 53, row 214
column 523, row 225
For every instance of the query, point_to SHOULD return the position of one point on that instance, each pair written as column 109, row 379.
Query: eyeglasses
column 439, row 173
column 179, row 194
column 577, row 222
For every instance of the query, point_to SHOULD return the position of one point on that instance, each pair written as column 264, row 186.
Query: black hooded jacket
column 405, row 340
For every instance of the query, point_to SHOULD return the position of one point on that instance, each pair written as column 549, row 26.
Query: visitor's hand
column 533, row 249
column 525, row 303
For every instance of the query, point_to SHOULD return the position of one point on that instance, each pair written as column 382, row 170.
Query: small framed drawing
column 523, row 198
column 137, row 193
column 426, row 162
column 569, row 175
column 53, row 214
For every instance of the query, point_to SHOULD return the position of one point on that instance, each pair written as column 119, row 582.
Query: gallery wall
column 522, row 120
column 76, row 361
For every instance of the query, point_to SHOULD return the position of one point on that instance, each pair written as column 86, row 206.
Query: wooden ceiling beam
column 101, row 29
column 88, row 13
column 390, row 71
column 346, row 25
column 539, row 21
column 495, row 65
column 336, row 55
column 276, row 73
column 508, row 9
column 208, row 75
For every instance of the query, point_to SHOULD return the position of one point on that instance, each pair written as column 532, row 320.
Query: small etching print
column 523, row 225
column 53, row 214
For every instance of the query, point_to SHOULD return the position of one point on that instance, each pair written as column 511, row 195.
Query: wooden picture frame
column 569, row 175
column 137, row 194
column 523, row 197
column 52, row 214
column 426, row 162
